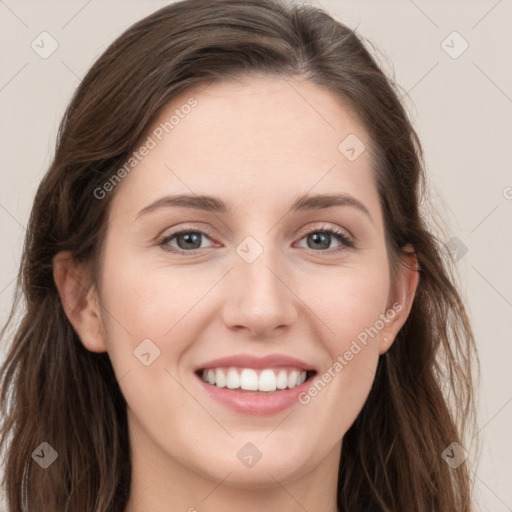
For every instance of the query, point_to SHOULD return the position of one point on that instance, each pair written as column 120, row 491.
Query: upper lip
column 248, row 361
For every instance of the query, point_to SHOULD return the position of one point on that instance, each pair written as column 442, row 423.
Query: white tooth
column 211, row 376
column 282, row 380
column 249, row 380
column 267, row 380
column 204, row 375
column 292, row 378
column 302, row 378
column 233, row 379
column 220, row 379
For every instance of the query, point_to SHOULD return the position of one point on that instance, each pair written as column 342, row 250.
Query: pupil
column 323, row 236
column 188, row 237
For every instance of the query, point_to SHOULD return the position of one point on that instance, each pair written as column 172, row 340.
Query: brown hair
column 54, row 390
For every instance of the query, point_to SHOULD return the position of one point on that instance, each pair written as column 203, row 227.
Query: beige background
column 461, row 108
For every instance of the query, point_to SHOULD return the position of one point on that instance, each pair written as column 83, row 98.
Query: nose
column 259, row 300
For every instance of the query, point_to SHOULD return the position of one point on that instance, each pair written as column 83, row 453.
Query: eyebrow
column 213, row 204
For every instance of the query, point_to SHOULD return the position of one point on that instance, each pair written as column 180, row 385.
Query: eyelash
column 346, row 242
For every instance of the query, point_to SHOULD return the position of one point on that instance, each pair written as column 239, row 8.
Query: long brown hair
column 54, row 390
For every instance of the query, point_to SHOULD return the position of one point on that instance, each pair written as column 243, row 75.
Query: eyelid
column 185, row 227
column 162, row 240
column 329, row 228
column 347, row 240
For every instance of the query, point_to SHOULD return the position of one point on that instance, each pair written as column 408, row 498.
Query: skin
column 257, row 144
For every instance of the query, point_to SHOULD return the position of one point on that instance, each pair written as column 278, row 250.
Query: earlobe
column 402, row 298
column 80, row 304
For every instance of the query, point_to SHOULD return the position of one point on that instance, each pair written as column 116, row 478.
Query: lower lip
column 255, row 403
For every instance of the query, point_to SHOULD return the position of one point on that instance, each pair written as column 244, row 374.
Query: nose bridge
column 259, row 298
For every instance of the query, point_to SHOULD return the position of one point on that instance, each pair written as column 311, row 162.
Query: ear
column 80, row 305
column 401, row 298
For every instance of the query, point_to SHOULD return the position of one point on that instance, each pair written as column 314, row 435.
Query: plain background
column 461, row 108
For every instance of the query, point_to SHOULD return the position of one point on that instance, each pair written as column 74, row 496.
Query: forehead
column 255, row 139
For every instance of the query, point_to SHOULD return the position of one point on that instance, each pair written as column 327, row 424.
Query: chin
column 273, row 466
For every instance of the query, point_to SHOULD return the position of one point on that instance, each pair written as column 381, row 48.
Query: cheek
column 142, row 303
column 352, row 305
column 352, row 309
column 151, row 319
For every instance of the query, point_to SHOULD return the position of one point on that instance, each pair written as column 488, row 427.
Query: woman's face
column 245, row 297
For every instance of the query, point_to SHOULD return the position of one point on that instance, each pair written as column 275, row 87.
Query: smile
column 255, row 385
column 250, row 379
